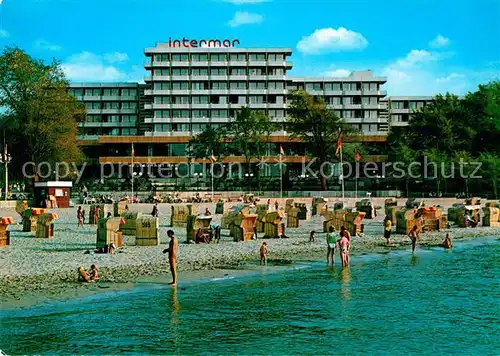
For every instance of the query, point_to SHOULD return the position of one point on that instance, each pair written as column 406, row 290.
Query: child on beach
column 94, row 273
column 344, row 250
column 312, row 235
column 387, row 229
column 83, row 275
column 413, row 235
column 331, row 244
column 263, row 253
column 79, row 216
column 345, row 233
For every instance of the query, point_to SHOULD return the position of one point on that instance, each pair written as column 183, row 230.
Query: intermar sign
column 187, row 43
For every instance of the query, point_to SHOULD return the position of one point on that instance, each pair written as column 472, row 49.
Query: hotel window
column 129, row 132
column 199, row 127
column 162, row 71
column 218, row 71
column 238, row 85
column 111, row 92
column 219, row 113
column 162, row 86
column 180, row 57
column 277, row 71
column 94, row 118
column 163, row 113
column 257, row 85
column 162, row 127
column 257, row 57
column 420, row 104
column 129, row 92
column 114, row 132
column 180, row 85
column 397, row 118
column 397, row 105
column 129, row 105
column 313, row 86
column 276, row 113
column 412, row 105
column 370, row 114
column 162, row 100
column 256, row 71
column 275, row 57
column 92, row 106
column 180, row 114
column 132, row 119
column 237, row 57
column 76, row 92
column 200, row 113
column 199, row 57
column 334, row 100
column 219, row 85
column 109, row 105
column 180, row 71
column 92, row 92
column 113, row 118
column 256, row 99
column 348, row 114
column 218, row 57
column 333, row 86
column 180, row 100
column 199, row 71
column 237, row 71
column 200, row 99
column 275, row 85
column 370, row 86
column 369, row 100
column 161, row 57
column 199, row 85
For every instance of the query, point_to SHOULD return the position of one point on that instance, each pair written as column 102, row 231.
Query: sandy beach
column 32, row 270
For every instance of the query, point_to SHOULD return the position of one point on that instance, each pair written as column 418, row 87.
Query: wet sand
column 35, row 270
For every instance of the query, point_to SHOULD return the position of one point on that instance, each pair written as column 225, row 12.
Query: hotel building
column 188, row 89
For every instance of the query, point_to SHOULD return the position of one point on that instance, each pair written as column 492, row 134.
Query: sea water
column 436, row 301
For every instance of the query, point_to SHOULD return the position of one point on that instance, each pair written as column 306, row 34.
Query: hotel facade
column 188, row 89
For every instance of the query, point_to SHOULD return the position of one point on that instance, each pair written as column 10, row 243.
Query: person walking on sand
column 387, row 230
column 263, row 253
column 97, row 215
column 344, row 249
column 154, row 213
column 331, row 244
column 172, row 256
column 413, row 235
column 79, row 216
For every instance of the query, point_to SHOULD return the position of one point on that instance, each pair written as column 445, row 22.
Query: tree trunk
column 466, row 187
column 407, row 183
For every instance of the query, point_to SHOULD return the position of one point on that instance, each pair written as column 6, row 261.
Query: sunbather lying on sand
column 83, row 275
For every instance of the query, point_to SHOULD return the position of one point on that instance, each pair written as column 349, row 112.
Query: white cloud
column 331, row 40
column 245, row 18
column 450, row 78
column 4, row 33
column 439, row 42
column 87, row 66
column 416, row 57
column 115, row 57
column 244, row 2
column 46, row 45
column 337, row 73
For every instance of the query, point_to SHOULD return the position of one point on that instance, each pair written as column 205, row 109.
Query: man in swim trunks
column 172, row 256
column 413, row 235
column 331, row 244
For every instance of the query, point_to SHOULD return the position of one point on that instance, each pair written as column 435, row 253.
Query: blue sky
column 423, row 47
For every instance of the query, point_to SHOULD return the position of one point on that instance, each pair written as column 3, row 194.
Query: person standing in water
column 331, row 244
column 172, row 256
column 344, row 249
column 263, row 253
column 413, row 235
column 387, row 229
column 447, row 241
column 345, row 233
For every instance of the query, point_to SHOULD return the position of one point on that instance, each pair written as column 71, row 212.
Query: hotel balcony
column 352, row 92
column 219, row 64
column 238, row 77
column 159, row 106
column 180, row 92
column 199, row 63
column 352, row 106
column 276, row 77
column 161, row 92
column 180, row 106
column 276, row 63
column 258, row 77
column 149, row 64
column 335, row 92
column 200, row 77
column 277, row 106
column 238, row 63
column 258, row 105
column 219, row 77
column 158, row 78
column 148, row 92
column 219, row 106
column 277, row 91
column 200, row 106
column 148, row 106
column 238, row 91
column 184, row 77
column 180, row 63
column 92, row 98
column 218, row 92
column 257, row 63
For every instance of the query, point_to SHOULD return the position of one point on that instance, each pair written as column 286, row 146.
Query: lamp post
column 249, row 177
column 6, row 159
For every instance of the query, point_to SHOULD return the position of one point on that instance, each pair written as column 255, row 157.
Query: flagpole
column 281, row 178
column 357, row 172
column 211, row 160
column 342, row 173
column 133, row 154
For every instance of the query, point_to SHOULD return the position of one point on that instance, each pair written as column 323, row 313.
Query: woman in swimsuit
column 330, row 241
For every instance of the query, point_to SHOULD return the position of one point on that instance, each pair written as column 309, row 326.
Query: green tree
column 40, row 116
column 246, row 133
column 491, row 169
column 207, row 143
column 310, row 119
column 462, row 161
